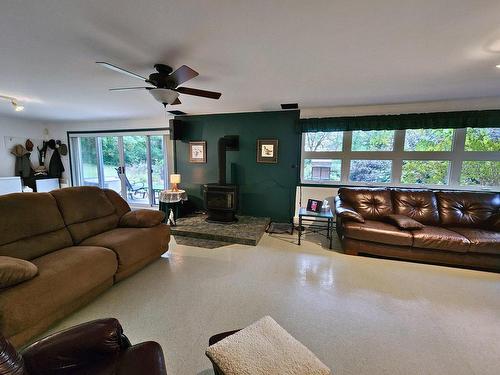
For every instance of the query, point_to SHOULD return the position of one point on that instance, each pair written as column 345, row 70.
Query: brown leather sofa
column 82, row 240
column 98, row 348
column 443, row 227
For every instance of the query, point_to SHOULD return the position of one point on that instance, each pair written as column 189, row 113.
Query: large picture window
column 457, row 158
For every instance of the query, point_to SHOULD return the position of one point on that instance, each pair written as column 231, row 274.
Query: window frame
column 455, row 156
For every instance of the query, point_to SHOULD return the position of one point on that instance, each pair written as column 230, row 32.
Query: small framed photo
column 314, row 205
column 198, row 152
column 267, row 151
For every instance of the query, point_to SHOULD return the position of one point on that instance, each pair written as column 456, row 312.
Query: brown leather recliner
column 443, row 227
column 94, row 348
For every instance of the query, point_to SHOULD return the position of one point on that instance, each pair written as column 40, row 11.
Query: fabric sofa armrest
column 75, row 347
column 346, row 212
column 403, row 222
column 142, row 219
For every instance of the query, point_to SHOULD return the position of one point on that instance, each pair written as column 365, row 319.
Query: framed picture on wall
column 267, row 151
column 198, row 152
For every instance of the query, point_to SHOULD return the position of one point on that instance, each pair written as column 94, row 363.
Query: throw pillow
column 264, row 348
column 403, row 222
column 14, row 271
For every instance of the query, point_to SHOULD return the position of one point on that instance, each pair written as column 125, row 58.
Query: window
column 487, row 139
column 324, row 141
column 132, row 164
column 458, row 158
column 428, row 172
column 428, row 139
column 370, row 171
column 322, row 169
column 375, row 140
column 480, row 173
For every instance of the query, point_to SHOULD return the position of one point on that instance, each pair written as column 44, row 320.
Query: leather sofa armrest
column 75, row 347
column 403, row 222
column 346, row 212
column 494, row 222
column 142, row 219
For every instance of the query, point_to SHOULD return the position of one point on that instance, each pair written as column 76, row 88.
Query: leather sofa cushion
column 132, row 245
column 403, row 222
column 467, row 208
column 81, row 231
column 377, row 231
column 481, row 241
column 345, row 211
column 439, row 238
column 63, row 277
column 31, row 225
column 369, row 203
column 420, row 205
column 14, row 271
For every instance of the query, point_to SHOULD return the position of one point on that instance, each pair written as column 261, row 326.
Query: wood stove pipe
column 226, row 143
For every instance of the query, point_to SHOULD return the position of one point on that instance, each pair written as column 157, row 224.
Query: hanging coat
column 23, row 162
column 56, row 167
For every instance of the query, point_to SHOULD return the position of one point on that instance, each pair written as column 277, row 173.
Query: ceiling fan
column 164, row 83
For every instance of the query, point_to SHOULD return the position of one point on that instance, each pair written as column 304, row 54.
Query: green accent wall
column 265, row 189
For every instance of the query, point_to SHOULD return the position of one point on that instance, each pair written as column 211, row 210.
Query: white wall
column 14, row 131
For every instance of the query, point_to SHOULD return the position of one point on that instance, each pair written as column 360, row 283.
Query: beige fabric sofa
column 82, row 239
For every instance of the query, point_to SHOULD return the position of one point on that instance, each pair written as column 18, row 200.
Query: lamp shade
column 175, row 178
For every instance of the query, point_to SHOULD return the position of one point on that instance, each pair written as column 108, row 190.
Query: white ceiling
column 258, row 53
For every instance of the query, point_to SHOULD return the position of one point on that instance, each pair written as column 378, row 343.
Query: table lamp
column 174, row 180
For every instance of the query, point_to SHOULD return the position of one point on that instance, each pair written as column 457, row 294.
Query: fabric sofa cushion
column 142, row 219
column 377, row 231
column 32, row 225
column 403, row 222
column 467, row 209
column 121, row 205
column 133, row 245
column 420, row 205
column 369, row 203
column 481, row 241
column 63, row 277
column 14, row 271
column 439, row 238
column 86, row 210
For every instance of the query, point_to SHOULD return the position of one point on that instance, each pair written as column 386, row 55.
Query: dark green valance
column 436, row 120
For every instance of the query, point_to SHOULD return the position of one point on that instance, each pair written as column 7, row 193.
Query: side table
column 319, row 222
column 170, row 201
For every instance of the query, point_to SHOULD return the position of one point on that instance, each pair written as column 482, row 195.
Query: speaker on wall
column 175, row 129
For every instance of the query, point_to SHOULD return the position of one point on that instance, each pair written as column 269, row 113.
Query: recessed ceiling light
column 498, row 66
column 17, row 107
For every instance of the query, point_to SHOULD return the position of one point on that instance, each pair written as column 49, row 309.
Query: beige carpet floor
column 358, row 315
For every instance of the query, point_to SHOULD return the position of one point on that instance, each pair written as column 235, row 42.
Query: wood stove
column 221, row 199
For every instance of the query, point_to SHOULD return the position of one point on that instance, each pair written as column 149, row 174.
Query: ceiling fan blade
column 120, row 70
column 130, row 88
column 175, row 102
column 197, row 92
column 183, row 74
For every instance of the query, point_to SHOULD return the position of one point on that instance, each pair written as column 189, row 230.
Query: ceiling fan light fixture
column 164, row 96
